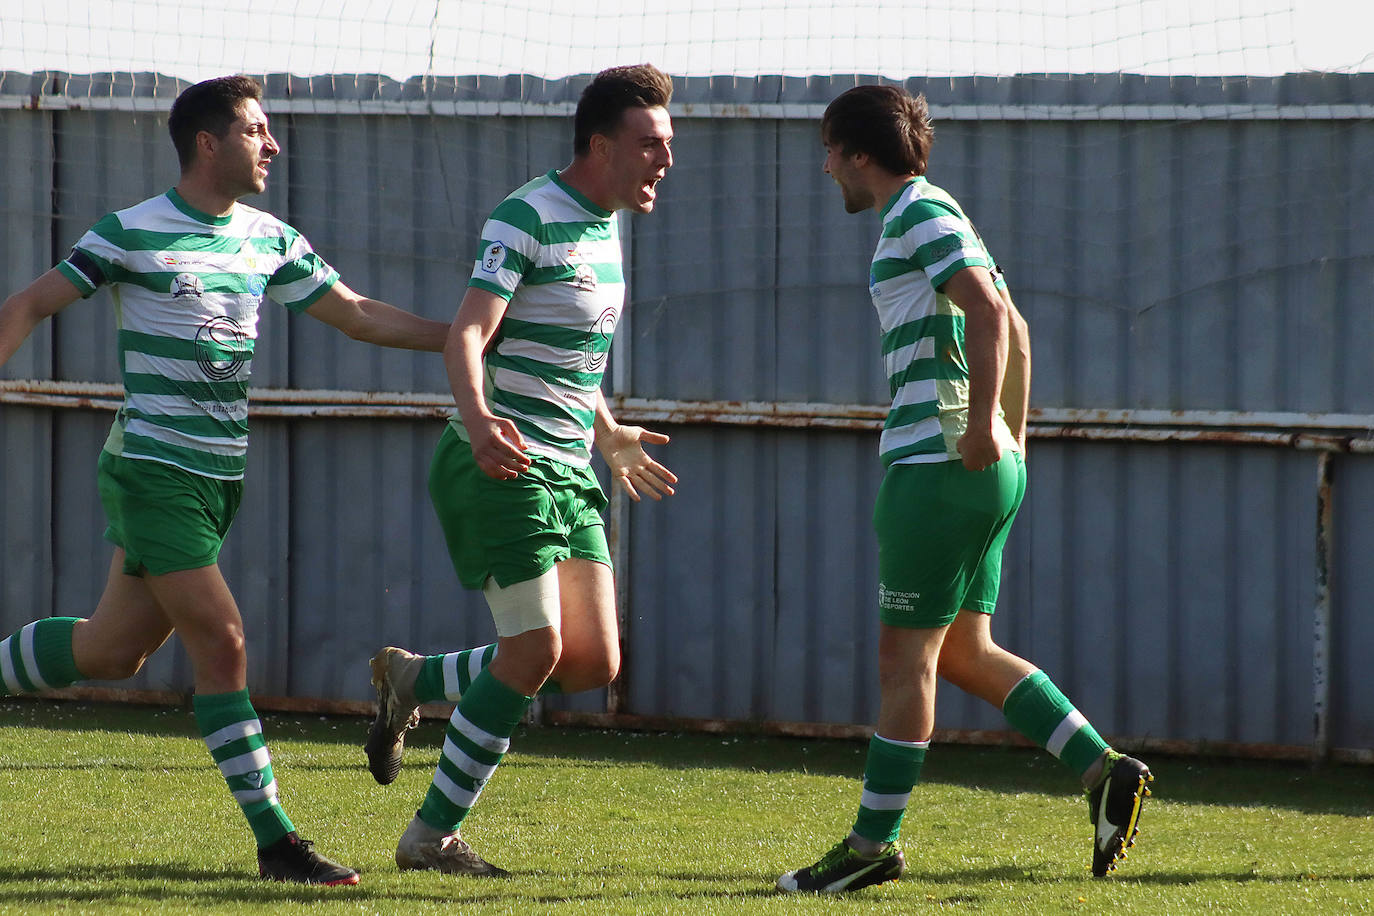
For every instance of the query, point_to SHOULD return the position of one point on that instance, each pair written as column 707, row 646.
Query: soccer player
column 510, row 479
column 957, row 356
column 188, row 270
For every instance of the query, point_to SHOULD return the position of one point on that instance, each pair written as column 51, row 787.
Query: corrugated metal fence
column 1194, row 257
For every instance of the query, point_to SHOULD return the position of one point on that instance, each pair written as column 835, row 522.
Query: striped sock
column 38, row 657
column 477, row 738
column 1037, row 709
column 233, row 734
column 891, row 772
column 448, row 677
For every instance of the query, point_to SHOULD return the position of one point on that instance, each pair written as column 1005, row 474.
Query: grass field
column 110, row 809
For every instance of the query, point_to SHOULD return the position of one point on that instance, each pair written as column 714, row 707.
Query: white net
column 195, row 39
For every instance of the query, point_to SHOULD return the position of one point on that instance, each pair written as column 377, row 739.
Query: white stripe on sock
column 249, row 796
column 451, row 689
column 218, row 739
column 463, row 798
column 475, row 663
column 1064, row 731
column 483, row 739
column 7, row 671
column 255, row 759
column 30, row 658
column 875, row 802
column 454, row 753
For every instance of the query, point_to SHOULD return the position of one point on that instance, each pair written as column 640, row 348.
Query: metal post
column 618, row 527
column 1321, row 618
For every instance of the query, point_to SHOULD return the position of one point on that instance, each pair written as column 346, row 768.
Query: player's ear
column 205, row 144
column 600, row 146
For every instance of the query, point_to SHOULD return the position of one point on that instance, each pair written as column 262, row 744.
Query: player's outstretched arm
column 623, row 449
column 21, row 313
column 376, row 322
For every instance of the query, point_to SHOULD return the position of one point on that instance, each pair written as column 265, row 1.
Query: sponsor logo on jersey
column 584, row 277
column 187, row 285
column 598, row 340
column 257, row 284
column 219, row 348
column 494, row 258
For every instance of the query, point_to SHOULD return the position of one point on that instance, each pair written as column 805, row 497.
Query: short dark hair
column 212, row 106
column 610, row 94
column 886, row 122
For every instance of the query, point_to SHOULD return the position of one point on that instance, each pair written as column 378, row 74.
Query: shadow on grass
column 1341, row 790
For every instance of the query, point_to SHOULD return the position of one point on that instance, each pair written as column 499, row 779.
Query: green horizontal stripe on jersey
column 582, row 381
column 605, row 273
column 517, row 213
column 532, row 431
column 207, row 243
column 300, row 269
column 200, row 426
column 932, row 445
column 191, row 459
column 942, row 278
column 176, row 348
column 504, row 293
column 574, row 232
column 160, row 281
column 945, row 329
column 921, row 370
column 911, row 413
column 552, row 335
column 538, row 407
column 915, row 213
column 223, row 392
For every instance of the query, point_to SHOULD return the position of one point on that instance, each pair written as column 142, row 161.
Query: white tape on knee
column 524, row 606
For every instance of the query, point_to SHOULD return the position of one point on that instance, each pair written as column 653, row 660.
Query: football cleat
column 842, row 869
column 393, row 675
column 422, row 848
column 294, row 859
column 1114, row 809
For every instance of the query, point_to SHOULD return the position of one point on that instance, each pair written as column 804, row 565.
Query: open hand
column 623, row 449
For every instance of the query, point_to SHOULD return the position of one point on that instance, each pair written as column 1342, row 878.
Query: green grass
column 110, row 809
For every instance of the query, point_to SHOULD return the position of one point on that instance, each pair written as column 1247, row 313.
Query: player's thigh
column 201, row 608
column 586, row 590
column 127, row 626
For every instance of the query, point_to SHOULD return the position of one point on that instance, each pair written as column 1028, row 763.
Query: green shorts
column 514, row 530
column 941, row 529
column 164, row 518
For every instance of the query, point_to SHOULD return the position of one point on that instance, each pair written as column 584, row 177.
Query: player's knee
column 603, row 670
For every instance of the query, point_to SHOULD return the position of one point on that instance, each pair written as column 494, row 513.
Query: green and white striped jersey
column 926, row 239
column 555, row 256
column 186, row 289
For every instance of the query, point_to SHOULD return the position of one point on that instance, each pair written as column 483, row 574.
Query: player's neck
column 583, row 178
column 883, row 185
column 205, row 196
